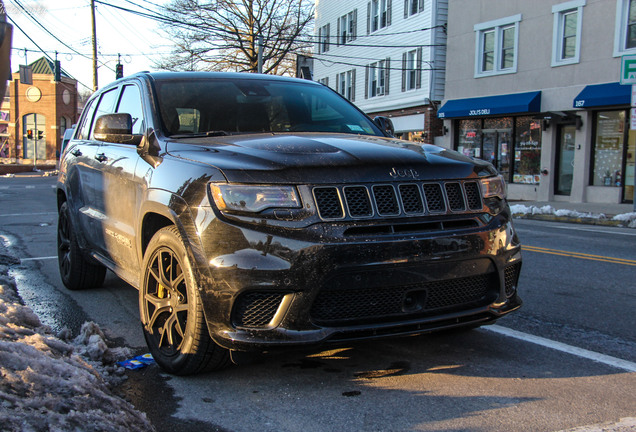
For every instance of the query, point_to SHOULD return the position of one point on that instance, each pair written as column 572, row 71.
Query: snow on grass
column 51, row 383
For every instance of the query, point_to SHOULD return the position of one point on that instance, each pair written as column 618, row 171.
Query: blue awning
column 603, row 95
column 492, row 105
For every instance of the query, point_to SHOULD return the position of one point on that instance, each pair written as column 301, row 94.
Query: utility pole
column 94, row 40
column 259, row 65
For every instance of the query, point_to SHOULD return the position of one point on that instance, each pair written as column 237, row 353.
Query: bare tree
column 222, row 35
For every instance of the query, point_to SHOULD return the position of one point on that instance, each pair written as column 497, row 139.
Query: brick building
column 33, row 117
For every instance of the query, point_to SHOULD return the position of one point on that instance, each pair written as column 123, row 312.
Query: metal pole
column 260, row 54
column 94, row 40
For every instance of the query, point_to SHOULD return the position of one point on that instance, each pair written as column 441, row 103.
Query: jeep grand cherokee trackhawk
column 255, row 212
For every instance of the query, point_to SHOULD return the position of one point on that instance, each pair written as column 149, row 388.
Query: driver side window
column 130, row 103
column 106, row 106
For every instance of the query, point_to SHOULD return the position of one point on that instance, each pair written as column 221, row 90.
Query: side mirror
column 385, row 124
column 116, row 128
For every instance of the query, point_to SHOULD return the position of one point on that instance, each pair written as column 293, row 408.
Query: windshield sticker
column 355, row 128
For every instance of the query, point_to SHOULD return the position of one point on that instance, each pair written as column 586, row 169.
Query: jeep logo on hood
column 406, row 172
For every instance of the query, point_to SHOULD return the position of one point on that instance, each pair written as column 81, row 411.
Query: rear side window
column 106, row 104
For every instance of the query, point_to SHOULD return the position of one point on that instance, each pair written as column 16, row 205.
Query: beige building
column 534, row 88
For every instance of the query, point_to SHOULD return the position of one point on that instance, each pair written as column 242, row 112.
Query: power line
column 43, row 52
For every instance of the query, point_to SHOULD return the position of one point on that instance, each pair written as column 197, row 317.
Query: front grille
column 411, row 197
column 473, row 196
column 511, row 276
column 359, row 305
column 405, row 199
column 434, row 198
column 455, row 197
column 328, row 202
column 358, row 201
column 256, row 309
column 386, row 200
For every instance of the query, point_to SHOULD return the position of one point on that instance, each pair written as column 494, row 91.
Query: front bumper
column 267, row 290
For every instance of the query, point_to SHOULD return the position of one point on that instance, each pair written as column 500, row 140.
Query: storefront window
column 512, row 145
column 469, row 143
column 608, row 149
column 527, row 151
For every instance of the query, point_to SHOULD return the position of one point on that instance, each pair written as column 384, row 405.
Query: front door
column 496, row 144
column 34, row 141
column 565, row 159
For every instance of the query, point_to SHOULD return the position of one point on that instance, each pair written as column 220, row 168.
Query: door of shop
column 34, row 141
column 496, row 148
column 565, row 159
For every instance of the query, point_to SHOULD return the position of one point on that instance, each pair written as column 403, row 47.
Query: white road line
column 580, row 352
column 27, row 214
column 38, row 258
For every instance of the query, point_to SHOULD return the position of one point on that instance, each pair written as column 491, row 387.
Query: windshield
column 230, row 106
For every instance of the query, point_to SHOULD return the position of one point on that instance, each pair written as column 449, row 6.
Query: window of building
column 347, row 27
column 346, row 84
column 411, row 7
column 511, row 144
column 377, row 78
column 412, row 69
column 497, row 46
column 527, row 151
column 608, row 148
column 625, row 28
column 378, row 15
column 567, row 32
column 63, row 126
column 324, row 81
column 323, row 39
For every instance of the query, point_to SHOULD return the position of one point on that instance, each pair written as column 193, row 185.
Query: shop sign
column 628, row 69
column 632, row 123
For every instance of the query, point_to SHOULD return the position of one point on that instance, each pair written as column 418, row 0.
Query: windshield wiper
column 201, row 134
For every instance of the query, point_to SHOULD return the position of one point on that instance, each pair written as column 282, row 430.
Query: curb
column 578, row 220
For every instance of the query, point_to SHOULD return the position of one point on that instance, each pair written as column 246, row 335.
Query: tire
column 171, row 311
column 76, row 270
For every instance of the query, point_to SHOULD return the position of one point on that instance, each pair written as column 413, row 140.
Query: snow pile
column 627, row 218
column 50, row 384
column 520, row 209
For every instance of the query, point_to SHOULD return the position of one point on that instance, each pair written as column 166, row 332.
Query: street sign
column 628, row 69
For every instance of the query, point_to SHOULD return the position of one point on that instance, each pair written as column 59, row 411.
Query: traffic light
column 40, row 134
column 29, row 133
column 119, row 71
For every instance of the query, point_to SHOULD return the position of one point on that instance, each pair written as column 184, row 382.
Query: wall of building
column 391, row 42
column 45, row 97
column 598, row 62
column 534, row 70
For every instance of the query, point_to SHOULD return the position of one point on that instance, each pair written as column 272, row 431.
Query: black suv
column 255, row 212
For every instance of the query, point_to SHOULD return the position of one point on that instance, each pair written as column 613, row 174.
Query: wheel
column 171, row 311
column 76, row 270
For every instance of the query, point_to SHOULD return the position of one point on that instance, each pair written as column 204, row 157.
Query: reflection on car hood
column 325, row 158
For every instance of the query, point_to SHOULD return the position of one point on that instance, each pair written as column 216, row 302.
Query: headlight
column 253, row 198
column 493, row 187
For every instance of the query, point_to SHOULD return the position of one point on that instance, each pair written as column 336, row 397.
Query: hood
column 318, row 158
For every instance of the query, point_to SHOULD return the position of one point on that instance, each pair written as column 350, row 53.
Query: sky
column 138, row 40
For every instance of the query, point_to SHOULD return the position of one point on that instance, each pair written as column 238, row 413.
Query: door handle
column 76, row 153
column 101, row 157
